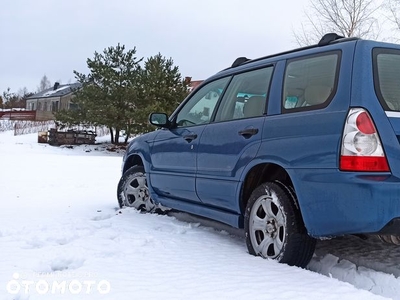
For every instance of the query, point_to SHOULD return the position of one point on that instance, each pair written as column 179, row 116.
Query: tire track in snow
column 367, row 264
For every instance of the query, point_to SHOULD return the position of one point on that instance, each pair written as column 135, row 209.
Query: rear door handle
column 190, row 137
column 248, row 133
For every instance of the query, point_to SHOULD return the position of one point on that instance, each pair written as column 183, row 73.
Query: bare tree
column 393, row 7
column 23, row 91
column 347, row 18
column 392, row 13
column 44, row 84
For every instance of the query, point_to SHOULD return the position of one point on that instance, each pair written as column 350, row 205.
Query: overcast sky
column 53, row 38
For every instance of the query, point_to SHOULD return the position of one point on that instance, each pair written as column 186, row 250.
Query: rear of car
column 363, row 194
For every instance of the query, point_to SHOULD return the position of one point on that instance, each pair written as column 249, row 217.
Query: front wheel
column 274, row 227
column 132, row 190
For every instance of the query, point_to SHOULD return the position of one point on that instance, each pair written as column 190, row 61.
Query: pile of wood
column 69, row 137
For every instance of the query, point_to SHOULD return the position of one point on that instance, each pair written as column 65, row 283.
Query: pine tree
column 163, row 88
column 109, row 92
column 11, row 100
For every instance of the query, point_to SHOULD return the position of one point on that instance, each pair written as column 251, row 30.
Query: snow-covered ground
column 63, row 237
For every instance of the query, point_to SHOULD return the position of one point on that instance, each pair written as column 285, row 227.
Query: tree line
column 10, row 100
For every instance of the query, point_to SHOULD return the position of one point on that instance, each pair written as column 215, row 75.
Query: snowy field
column 63, row 237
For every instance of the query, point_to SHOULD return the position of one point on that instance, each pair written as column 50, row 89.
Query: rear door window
column 246, row 95
column 387, row 77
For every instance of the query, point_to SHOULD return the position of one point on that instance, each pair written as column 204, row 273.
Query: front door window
column 200, row 108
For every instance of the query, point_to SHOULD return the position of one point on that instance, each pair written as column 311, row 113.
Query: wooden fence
column 25, row 115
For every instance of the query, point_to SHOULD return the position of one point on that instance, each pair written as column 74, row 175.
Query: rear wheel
column 390, row 239
column 274, row 227
column 133, row 191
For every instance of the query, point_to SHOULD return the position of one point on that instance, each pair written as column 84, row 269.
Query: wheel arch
column 265, row 172
column 132, row 160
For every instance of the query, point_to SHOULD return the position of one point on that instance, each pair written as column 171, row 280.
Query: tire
column 274, row 227
column 390, row 239
column 133, row 192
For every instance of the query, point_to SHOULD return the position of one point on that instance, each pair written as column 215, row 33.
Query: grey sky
column 55, row 37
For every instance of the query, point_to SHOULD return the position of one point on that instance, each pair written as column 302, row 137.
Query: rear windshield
column 387, row 77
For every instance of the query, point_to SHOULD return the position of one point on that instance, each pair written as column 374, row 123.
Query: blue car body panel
column 222, row 156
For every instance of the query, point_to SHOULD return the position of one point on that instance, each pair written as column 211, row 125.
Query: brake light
column 364, row 123
column 361, row 146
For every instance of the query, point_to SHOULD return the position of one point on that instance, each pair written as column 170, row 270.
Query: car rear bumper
column 336, row 203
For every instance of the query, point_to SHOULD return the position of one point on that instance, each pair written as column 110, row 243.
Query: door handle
column 248, row 133
column 190, row 137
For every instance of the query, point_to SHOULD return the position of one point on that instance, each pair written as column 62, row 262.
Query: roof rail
column 240, row 60
column 327, row 39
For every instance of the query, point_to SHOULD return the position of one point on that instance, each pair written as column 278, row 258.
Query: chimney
column 188, row 79
column 56, row 85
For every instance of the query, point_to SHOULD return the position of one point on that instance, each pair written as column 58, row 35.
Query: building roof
column 194, row 84
column 58, row 90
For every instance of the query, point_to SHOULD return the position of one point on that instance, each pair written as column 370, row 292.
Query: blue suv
column 292, row 147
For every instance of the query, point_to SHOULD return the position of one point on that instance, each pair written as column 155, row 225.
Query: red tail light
column 364, row 163
column 364, row 123
column 361, row 149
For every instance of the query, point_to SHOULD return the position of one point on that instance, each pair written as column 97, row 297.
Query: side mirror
column 159, row 120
